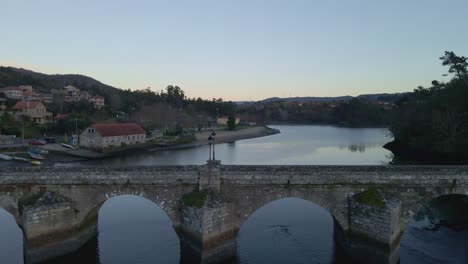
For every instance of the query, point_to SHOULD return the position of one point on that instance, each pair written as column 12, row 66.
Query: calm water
column 295, row 145
column 134, row 230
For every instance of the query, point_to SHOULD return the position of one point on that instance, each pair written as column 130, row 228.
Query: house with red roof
column 104, row 136
column 34, row 110
column 12, row 92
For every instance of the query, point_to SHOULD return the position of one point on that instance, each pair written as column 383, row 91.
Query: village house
column 34, row 110
column 3, row 107
column 222, row 120
column 97, row 101
column 104, row 136
column 12, row 92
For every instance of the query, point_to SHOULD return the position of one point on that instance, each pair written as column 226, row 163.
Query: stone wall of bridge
column 241, row 191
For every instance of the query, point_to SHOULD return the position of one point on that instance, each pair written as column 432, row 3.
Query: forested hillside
column 431, row 124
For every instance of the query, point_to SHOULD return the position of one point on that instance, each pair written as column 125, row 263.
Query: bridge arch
column 415, row 200
column 169, row 206
column 328, row 227
column 10, row 204
column 330, row 199
column 439, row 230
column 143, row 224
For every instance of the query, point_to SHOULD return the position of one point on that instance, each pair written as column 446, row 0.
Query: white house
column 103, row 136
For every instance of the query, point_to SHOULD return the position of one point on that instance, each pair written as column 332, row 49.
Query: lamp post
column 213, row 135
column 210, row 142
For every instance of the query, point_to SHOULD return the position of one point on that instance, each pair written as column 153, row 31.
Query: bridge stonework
column 57, row 208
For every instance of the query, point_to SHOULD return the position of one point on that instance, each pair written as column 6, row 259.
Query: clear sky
column 238, row 49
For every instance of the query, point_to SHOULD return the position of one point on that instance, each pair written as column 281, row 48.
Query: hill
column 370, row 97
column 46, row 82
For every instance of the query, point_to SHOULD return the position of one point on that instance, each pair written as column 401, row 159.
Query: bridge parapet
column 243, row 189
column 240, row 175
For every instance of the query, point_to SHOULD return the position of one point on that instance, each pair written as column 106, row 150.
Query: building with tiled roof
column 34, row 110
column 12, row 92
column 104, row 136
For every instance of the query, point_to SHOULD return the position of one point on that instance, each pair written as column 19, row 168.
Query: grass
column 371, row 197
column 195, row 199
column 32, row 132
column 29, row 200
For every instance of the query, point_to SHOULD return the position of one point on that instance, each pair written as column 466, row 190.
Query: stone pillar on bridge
column 210, row 176
column 208, row 231
column 52, row 227
column 375, row 228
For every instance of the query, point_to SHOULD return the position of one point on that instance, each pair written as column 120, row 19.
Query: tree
column 231, row 122
column 457, row 64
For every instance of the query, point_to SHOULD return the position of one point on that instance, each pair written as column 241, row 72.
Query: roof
column 26, row 105
column 97, row 97
column 11, row 88
column 61, row 116
column 118, row 129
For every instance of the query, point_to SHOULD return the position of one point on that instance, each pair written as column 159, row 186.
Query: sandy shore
column 223, row 136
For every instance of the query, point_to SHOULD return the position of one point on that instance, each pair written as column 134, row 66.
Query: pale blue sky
column 238, row 50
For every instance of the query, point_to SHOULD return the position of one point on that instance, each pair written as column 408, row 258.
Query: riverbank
column 406, row 154
column 223, row 136
column 60, row 154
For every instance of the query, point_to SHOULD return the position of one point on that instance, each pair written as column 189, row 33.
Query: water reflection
column 287, row 231
column 11, row 239
column 439, row 233
column 356, row 148
column 295, row 145
column 135, row 230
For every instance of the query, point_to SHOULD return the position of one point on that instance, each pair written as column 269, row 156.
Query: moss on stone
column 195, row 199
column 371, row 197
column 29, row 200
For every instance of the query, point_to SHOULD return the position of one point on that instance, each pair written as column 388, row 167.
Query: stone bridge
column 57, row 208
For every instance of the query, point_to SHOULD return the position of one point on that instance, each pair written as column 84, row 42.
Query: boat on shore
column 5, row 157
column 67, row 146
column 36, row 162
column 20, row 158
column 39, row 151
column 35, row 155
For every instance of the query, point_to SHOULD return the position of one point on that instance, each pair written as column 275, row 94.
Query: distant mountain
column 308, row 99
column 371, row 97
column 46, row 82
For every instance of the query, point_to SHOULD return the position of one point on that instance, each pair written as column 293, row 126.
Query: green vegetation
column 32, row 131
column 431, row 124
column 29, row 200
column 357, row 112
column 167, row 109
column 231, row 122
column 195, row 199
column 371, row 197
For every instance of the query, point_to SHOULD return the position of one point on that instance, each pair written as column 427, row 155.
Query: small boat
column 5, row 157
column 35, row 155
column 39, row 151
column 36, row 162
column 20, row 158
column 68, row 146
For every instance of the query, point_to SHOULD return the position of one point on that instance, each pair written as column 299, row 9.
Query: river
column 134, row 230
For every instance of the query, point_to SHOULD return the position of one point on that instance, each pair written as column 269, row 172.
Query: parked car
column 37, row 142
column 50, row 140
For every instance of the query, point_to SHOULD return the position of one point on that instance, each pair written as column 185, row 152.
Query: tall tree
column 231, row 122
column 456, row 63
